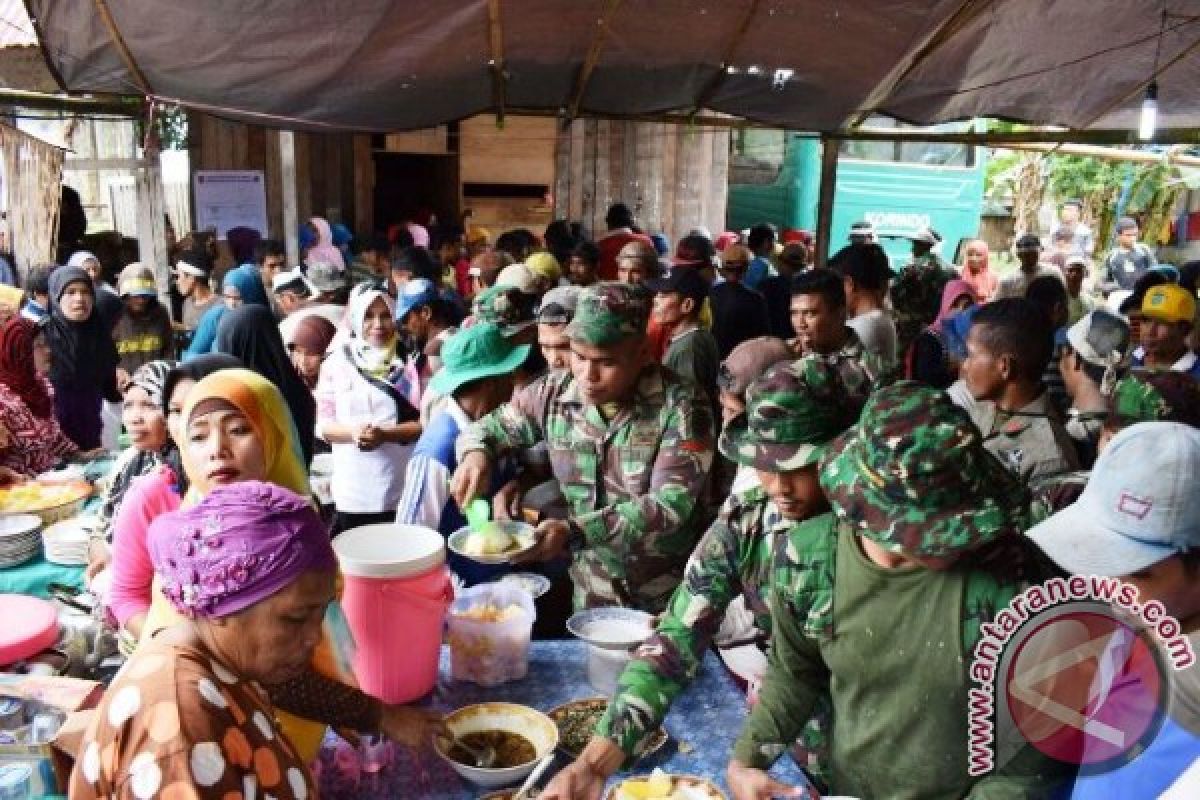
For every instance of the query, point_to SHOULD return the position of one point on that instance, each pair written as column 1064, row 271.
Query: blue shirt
column 757, row 272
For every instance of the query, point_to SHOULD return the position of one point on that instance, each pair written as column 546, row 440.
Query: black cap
column 685, row 281
column 1029, row 241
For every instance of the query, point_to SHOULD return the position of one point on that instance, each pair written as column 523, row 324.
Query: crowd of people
column 833, row 475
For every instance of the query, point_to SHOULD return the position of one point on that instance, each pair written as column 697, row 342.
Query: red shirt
column 610, row 244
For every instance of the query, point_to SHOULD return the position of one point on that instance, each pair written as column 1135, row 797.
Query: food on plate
column 35, row 496
column 512, row 749
column 493, row 540
column 616, row 631
column 577, row 720
column 661, row 786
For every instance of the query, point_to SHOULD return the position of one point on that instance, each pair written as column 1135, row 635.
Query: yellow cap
column 544, row 265
column 1170, row 303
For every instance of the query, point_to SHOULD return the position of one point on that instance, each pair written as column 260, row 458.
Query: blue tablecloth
column 705, row 720
column 34, row 576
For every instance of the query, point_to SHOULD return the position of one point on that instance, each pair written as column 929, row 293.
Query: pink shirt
column 132, row 571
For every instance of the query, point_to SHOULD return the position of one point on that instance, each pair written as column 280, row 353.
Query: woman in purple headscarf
column 251, row 571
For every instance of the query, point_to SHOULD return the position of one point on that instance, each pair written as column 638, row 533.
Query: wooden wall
column 674, row 178
column 334, row 173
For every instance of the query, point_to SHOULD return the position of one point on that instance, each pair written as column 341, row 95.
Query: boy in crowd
column 792, row 413
column 143, row 331
column 296, row 297
column 1128, row 260
column 819, row 318
column 1029, row 254
column 37, row 294
column 193, row 273
column 865, row 275
column 1008, row 348
column 426, row 319
column 475, row 379
column 1168, row 313
column 634, row 503
column 1138, row 519
column 1079, row 301
column 554, row 314
column 761, row 242
column 691, row 350
column 892, row 557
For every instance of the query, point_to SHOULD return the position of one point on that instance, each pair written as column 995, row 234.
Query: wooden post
column 829, row 158
column 287, row 160
column 151, row 232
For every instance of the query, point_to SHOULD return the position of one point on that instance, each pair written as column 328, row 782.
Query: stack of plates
column 67, row 542
column 20, row 538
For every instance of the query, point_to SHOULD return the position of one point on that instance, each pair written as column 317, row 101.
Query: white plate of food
column 611, row 628
column 661, row 785
column 498, row 542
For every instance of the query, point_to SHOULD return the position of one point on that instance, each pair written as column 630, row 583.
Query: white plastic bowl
column 535, row 726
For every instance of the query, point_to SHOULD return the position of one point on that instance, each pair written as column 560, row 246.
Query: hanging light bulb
column 1149, row 121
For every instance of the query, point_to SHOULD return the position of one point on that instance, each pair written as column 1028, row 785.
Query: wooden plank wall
column 675, row 178
column 334, row 173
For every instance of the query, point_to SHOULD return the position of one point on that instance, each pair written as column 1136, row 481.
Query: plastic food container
column 489, row 628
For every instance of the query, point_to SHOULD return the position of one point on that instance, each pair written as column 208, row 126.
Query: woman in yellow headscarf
column 235, row 427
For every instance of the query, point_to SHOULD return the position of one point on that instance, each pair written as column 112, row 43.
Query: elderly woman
column 363, row 413
column 31, row 440
column 83, row 370
column 250, row 570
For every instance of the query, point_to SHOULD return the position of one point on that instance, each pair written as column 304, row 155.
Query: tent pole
column 287, row 163
column 496, row 63
column 829, row 159
column 589, row 64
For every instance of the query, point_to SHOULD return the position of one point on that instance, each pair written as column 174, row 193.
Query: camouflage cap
column 1165, row 396
column 793, row 411
column 506, row 307
column 914, row 476
column 607, row 313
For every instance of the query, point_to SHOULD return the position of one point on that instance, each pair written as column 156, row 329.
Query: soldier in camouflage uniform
column 884, row 614
column 793, row 411
column 916, row 291
column 818, row 314
column 1142, row 396
column 630, row 445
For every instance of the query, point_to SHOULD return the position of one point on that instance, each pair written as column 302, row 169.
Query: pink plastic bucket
column 396, row 593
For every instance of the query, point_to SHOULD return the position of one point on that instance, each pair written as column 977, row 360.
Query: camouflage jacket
column 853, row 352
column 737, row 556
column 916, row 295
column 632, row 483
column 805, row 606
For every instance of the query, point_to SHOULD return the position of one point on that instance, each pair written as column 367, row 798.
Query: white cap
column 1140, row 505
column 519, row 277
column 291, row 280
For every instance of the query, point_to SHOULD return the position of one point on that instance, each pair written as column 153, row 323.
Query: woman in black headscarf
column 84, row 367
column 251, row 334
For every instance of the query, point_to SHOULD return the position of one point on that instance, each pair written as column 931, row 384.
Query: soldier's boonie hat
column 505, row 306
column 607, row 313
column 913, row 475
column 793, row 412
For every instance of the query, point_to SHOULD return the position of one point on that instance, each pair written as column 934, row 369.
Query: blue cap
column 1140, row 505
column 414, row 294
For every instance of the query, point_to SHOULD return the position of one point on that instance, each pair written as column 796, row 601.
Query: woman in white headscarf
column 364, row 414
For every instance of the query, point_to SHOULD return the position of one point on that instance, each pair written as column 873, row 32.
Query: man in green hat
column 475, row 379
column 792, row 413
column 630, row 445
column 884, row 615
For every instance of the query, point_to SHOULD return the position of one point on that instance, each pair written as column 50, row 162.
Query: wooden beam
column 107, row 163
column 589, row 63
column 139, row 78
column 287, row 160
column 714, row 83
column 829, row 159
column 1110, row 154
column 496, row 62
column 119, row 105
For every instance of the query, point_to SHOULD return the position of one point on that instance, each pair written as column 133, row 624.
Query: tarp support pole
column 496, row 64
column 135, row 71
column 829, row 159
column 291, row 223
column 589, row 63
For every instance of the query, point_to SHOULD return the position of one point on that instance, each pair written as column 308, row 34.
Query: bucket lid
column 31, row 625
column 386, row 550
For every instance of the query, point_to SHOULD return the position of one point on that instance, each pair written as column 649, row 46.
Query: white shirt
column 877, row 333
column 363, row 482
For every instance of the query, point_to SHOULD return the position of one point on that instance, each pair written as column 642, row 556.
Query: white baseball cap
column 292, row 280
column 520, row 277
column 1140, row 506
